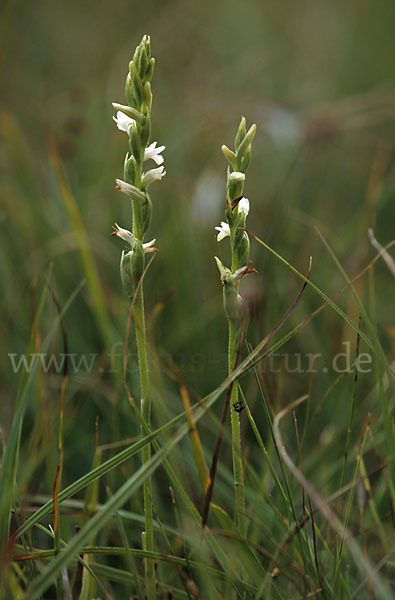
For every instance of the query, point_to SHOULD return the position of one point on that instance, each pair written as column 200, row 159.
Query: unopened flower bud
column 130, row 169
column 145, row 130
column 136, row 83
column 230, row 156
column 240, row 133
column 147, row 95
column 135, row 142
column 150, row 70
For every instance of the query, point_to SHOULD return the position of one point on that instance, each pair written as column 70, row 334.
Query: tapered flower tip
column 223, row 231
column 124, row 234
column 224, row 271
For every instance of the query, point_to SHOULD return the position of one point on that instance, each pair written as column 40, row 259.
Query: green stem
column 238, row 475
column 148, row 535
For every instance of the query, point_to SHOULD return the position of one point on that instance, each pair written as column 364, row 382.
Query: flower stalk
column 134, row 119
column 236, row 211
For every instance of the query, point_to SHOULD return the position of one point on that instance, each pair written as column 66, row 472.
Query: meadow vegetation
column 313, row 373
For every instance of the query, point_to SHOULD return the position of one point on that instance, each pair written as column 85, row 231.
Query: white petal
column 223, row 230
column 244, row 206
column 123, row 122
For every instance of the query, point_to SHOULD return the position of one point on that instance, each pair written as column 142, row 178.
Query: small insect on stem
column 238, row 406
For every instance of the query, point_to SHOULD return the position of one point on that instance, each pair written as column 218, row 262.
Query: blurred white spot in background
column 283, row 126
column 208, row 199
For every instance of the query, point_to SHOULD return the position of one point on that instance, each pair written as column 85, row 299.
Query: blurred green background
column 317, row 78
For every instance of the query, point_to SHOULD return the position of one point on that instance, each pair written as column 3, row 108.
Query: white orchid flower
column 154, row 153
column 124, row 123
column 223, row 231
column 124, row 234
column 244, row 206
column 152, row 175
column 130, row 190
column 128, row 237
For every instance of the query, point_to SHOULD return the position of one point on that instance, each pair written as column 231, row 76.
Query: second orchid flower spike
column 236, row 210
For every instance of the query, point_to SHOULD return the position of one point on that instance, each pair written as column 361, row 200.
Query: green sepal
column 147, row 95
column 244, row 150
column 130, row 95
column 245, row 143
column 142, row 63
column 150, row 70
column 137, row 84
